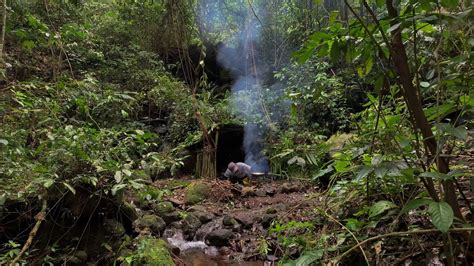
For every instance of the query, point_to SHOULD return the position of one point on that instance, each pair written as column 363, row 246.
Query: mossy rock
column 196, row 192
column 114, row 227
column 163, row 208
column 129, row 211
column 152, row 251
column 155, row 223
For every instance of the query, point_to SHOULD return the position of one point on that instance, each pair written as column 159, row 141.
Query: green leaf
column 424, row 84
column 442, row 215
column 4, row 142
column 369, row 63
column 363, row 172
column 48, row 182
column 436, row 175
column 117, row 188
column 309, row 257
column 449, row 3
column 118, row 176
column 414, row 204
column 380, row 206
column 73, row 191
column 341, row 165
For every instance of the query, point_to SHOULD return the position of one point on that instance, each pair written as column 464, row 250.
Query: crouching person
column 237, row 172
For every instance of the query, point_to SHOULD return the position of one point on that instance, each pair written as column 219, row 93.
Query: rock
column 152, row 251
column 114, row 227
column 172, row 232
column 190, row 225
column 229, row 221
column 224, row 251
column 219, row 237
column 163, row 208
column 207, row 228
column 245, row 219
column 155, row 223
column 176, row 202
column 171, row 217
column 196, row 192
column 260, row 193
column 267, row 220
column 270, row 191
column 204, row 216
column 128, row 210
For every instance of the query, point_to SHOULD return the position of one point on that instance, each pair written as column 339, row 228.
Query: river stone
column 129, row 211
column 155, row 223
column 260, row 193
column 171, row 217
column 245, row 219
column 196, row 192
column 204, row 216
column 207, row 228
column 190, row 225
column 163, row 208
column 229, row 221
column 270, row 191
column 219, row 237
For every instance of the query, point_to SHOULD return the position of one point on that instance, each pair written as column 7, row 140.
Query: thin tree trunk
column 409, row 91
column 4, row 28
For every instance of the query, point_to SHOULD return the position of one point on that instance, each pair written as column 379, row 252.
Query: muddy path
column 232, row 223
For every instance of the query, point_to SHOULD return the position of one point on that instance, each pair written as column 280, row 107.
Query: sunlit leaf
column 414, row 204
column 441, row 214
column 380, row 207
column 436, row 175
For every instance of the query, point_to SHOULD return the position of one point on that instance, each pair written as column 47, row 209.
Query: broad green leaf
column 441, row 214
column 309, row 257
column 354, row 224
column 363, row 172
column 436, row 175
column 127, row 172
column 380, row 206
column 414, row 204
column 341, row 165
column 4, row 142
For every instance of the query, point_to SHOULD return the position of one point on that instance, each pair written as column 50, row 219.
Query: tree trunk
column 400, row 60
column 4, row 28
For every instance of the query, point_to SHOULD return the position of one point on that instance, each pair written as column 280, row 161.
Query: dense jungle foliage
column 118, row 115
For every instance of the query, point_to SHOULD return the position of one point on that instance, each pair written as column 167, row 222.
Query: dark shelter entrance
column 229, row 147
